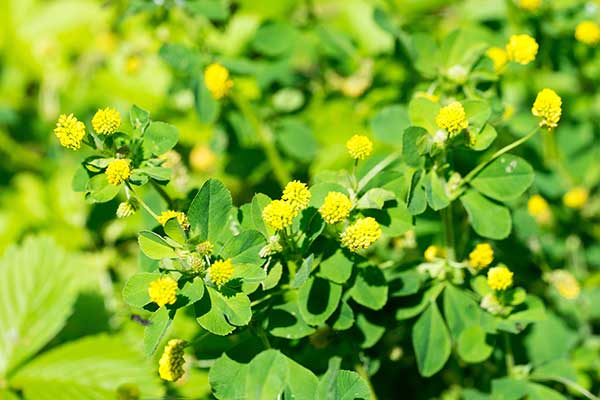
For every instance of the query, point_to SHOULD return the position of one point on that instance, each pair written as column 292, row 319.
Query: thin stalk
column 497, row 154
column 142, row 202
column 360, row 369
column 447, row 220
column 383, row 164
column 279, row 169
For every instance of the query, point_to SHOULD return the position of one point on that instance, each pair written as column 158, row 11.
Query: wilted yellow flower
column 432, row 252
column 500, row 278
column 529, row 5
column 170, row 365
column 221, row 272
column 106, row 121
column 181, row 218
column 565, row 283
column 362, row 234
column 548, row 106
column 297, row 194
column 335, row 208
column 69, row 131
column 588, row 32
column 163, row 291
column 576, row 197
column 452, row 118
column 481, row 256
column 359, row 147
column 216, row 79
column 205, row 248
column 118, row 171
column 127, row 208
column 539, row 209
column 522, row 49
column 278, row 214
column 499, row 57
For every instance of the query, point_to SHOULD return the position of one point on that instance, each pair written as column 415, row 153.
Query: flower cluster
column 361, row 235
column 522, row 49
column 548, row 106
column 279, row 214
column 335, row 208
column 106, row 121
column 163, row 291
column 588, row 32
column 69, row 131
column 220, row 272
column 170, row 365
column 181, row 218
column 481, row 256
column 118, row 171
column 452, row 118
column 576, row 197
column 499, row 57
column 433, row 252
column 500, row 278
column 539, row 209
column 359, row 147
column 297, row 195
column 216, row 79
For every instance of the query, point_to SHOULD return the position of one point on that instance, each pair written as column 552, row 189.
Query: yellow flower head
column 362, row 234
column 335, row 208
column 163, row 291
column 539, row 209
column 499, row 57
column 202, row 158
column 221, row 272
column 297, row 194
column 170, row 365
column 565, row 283
column 106, row 121
column 522, row 49
column 181, row 218
column 529, row 5
column 359, row 147
column 548, row 106
column 588, row 32
column 205, row 248
column 69, row 131
column 500, row 278
column 432, row 252
column 278, row 214
column 118, row 171
column 481, row 256
column 452, row 118
column 216, row 79
column 576, row 197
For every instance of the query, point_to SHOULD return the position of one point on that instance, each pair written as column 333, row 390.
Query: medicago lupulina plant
column 319, row 265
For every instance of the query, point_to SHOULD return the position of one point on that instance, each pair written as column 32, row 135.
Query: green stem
column 497, row 154
column 142, row 202
column 264, row 137
column 447, row 220
column 508, row 355
column 159, row 189
column 383, row 164
column 360, row 369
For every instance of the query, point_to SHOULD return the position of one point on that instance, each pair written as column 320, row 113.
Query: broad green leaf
column 422, row 114
column 174, row 230
column 431, row 341
column 296, row 139
column 488, row 219
column 320, row 190
column 317, row 300
column 405, row 283
column 417, row 201
column 192, row 289
column 370, row 288
column 371, row 332
column 484, row 138
column 100, row 191
column 343, row 318
column 415, row 309
column 341, row 384
column 535, row 391
column 472, row 345
column 375, row 198
column 276, row 38
column 154, row 246
column 266, row 375
column 542, row 347
column 207, row 107
column 285, row 321
column 139, row 118
column 221, row 314
column 38, row 287
column 435, row 191
column 244, row 248
column 135, row 291
column 460, row 310
column 159, row 324
column 389, row 123
column 337, row 268
column 80, row 179
column 273, row 276
column 505, row 179
column 303, row 272
column 509, row 389
column 398, row 221
column 478, row 112
column 89, row 368
column 228, row 378
column 158, row 173
column 259, row 202
column 557, row 368
column 301, row 382
column 209, row 210
column 159, row 138
column 411, row 139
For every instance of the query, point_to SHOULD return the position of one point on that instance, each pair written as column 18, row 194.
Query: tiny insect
column 140, row 320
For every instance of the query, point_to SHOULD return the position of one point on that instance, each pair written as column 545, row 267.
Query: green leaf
column 505, row 179
column 216, row 10
column 411, row 153
column 273, row 276
column 375, row 198
column 431, row 341
column 472, row 345
column 398, row 221
column 159, row 138
column 435, row 191
column 207, row 107
column 488, row 219
column 317, row 300
column 266, row 375
column 303, row 272
column 135, row 291
column 139, row 118
column 244, row 248
column 259, row 202
column 478, row 112
column 276, row 38
column 535, row 391
column 80, row 179
column 389, row 123
column 485, row 138
column 174, row 230
column 100, row 191
column 228, row 378
column 296, row 139
column 286, row 321
column 413, row 310
column 159, row 324
column 154, row 246
column 371, row 332
column 460, row 310
column 509, row 389
column 209, row 211
column 301, row 384
column 370, row 288
column 343, row 318
column 159, row 173
column 340, row 384
column 422, row 114
column 38, row 288
column 89, row 368
column 220, row 314
column 192, row 290
column 337, row 268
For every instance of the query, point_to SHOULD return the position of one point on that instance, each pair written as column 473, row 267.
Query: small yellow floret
column 335, row 208
column 221, row 272
column 481, row 256
column 118, row 171
column 170, row 365
column 278, row 214
column 452, row 118
column 297, row 194
column 181, row 218
column 539, row 209
column 529, row 5
column 522, row 49
column 432, row 252
column 69, row 131
column 500, row 278
column 163, row 291
column 548, row 106
column 216, row 79
column 565, row 283
column 359, row 147
column 588, row 32
column 499, row 57
column 205, row 248
column 576, row 197
column 361, row 235
column 106, row 121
